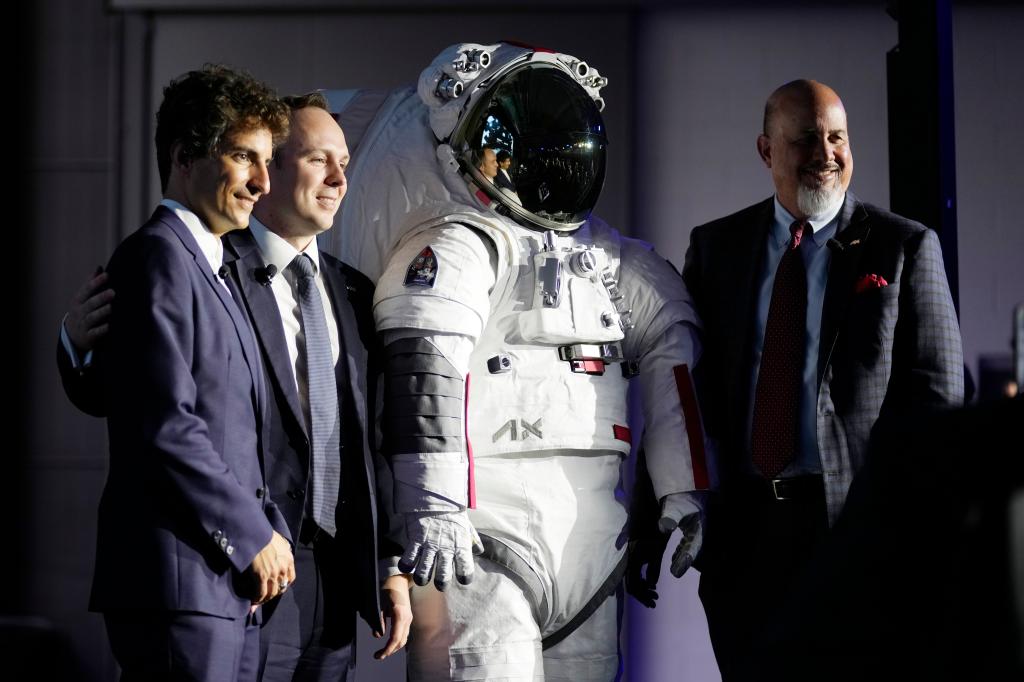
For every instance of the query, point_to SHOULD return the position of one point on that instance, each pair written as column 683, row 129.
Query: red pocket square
column 870, row 282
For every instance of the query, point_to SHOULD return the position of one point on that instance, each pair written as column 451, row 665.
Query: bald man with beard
column 804, row 353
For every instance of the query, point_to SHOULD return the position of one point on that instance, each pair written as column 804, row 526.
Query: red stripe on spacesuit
column 484, row 199
column 527, row 46
column 471, row 493
column 694, row 430
column 622, row 433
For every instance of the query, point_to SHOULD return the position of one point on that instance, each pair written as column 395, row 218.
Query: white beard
column 814, row 202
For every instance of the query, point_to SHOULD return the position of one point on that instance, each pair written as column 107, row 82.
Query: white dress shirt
column 275, row 250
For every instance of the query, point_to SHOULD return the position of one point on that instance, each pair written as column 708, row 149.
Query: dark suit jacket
column 908, row 610
column 289, row 458
column 504, row 181
column 885, row 352
column 182, row 515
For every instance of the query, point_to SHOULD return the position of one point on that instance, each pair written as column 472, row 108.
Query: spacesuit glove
column 643, row 568
column 686, row 512
column 437, row 542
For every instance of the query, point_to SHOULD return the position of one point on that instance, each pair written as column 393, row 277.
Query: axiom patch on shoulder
column 422, row 270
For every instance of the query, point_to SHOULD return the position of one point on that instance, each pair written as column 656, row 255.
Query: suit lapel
column 348, row 335
column 244, row 259
column 234, row 310
column 747, row 244
column 851, row 233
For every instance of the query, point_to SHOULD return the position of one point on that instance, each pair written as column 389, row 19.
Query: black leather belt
column 799, row 488
column 753, row 488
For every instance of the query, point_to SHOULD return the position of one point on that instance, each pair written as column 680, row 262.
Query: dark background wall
column 688, row 83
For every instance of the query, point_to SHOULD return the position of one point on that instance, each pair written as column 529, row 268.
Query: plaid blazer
column 890, row 341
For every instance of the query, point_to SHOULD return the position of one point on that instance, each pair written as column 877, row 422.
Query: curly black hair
column 202, row 108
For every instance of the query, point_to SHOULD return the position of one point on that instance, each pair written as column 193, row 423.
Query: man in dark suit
column 307, row 634
column 186, row 541
column 310, row 632
column 822, row 315
column 502, row 178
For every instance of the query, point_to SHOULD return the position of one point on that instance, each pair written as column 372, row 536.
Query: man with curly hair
column 188, row 542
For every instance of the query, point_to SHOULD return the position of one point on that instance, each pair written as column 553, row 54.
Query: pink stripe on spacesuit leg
column 469, row 448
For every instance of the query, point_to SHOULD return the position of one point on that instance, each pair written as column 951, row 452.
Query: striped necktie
column 322, row 398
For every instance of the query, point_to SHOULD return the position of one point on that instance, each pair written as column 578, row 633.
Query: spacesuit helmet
column 542, row 108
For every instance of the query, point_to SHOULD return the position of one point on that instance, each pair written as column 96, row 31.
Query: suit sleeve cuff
column 387, row 567
column 242, row 549
column 77, row 362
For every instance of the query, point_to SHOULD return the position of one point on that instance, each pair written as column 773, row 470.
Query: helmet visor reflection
column 555, row 136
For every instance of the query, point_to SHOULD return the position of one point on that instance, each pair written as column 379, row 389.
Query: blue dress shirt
column 816, row 257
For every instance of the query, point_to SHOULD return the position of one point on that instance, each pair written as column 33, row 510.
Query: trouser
column 756, row 551
column 151, row 646
column 308, row 632
column 558, row 514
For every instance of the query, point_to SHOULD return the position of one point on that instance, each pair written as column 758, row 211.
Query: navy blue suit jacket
column 359, row 513
column 504, row 181
column 183, row 512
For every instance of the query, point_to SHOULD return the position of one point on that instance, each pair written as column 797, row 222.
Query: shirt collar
column 783, row 219
column 208, row 242
column 276, row 250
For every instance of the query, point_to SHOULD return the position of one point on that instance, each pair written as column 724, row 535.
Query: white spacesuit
column 513, row 326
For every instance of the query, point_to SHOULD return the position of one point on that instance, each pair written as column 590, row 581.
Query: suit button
column 223, row 543
column 260, row 492
column 217, row 534
column 229, row 550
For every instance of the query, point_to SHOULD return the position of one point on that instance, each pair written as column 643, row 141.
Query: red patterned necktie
column 777, row 396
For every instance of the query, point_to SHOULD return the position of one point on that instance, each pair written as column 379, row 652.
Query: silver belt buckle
column 775, row 489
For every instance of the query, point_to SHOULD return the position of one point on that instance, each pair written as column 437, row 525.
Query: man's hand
column 397, row 609
column 273, row 569
column 437, row 540
column 88, row 318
